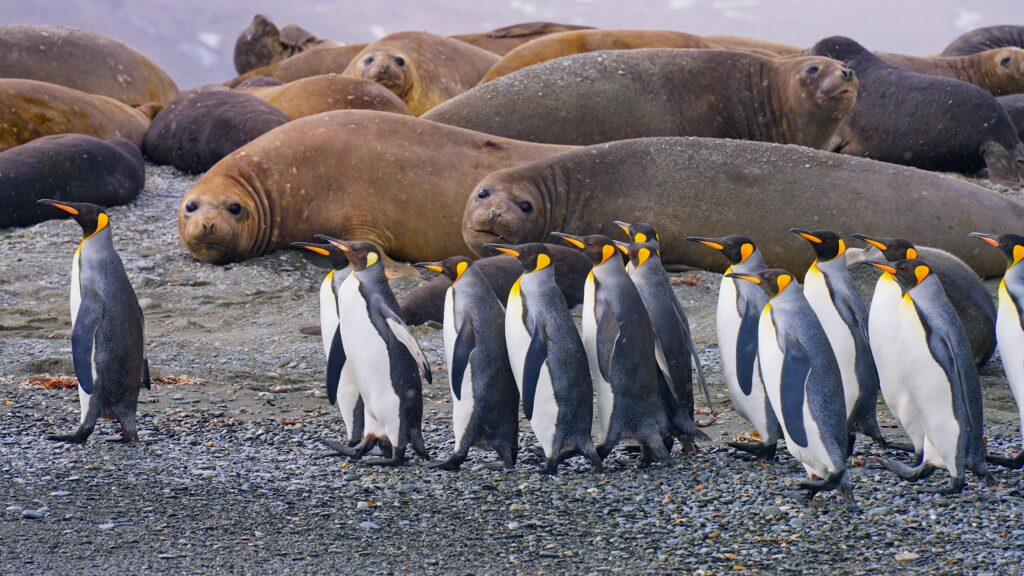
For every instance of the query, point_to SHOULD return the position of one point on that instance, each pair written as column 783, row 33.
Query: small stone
column 907, row 556
column 879, row 511
column 368, row 525
column 60, row 493
column 513, row 525
column 363, row 505
column 107, row 526
column 14, row 508
column 33, row 514
column 771, row 511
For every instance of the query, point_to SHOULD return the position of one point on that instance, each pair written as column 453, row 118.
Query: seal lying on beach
column 262, row 43
column 987, row 38
column 999, row 71
column 328, row 92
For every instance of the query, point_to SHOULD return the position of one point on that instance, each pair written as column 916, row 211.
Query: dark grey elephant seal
column 262, row 43
column 987, row 38
column 70, row 167
column 1014, row 106
column 704, row 187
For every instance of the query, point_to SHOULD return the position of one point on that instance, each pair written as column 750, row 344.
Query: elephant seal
column 981, row 39
column 84, row 61
column 755, row 46
column 1014, row 106
column 31, row 109
column 397, row 181
column 200, row 127
column 260, row 82
column 709, row 187
column 503, row 40
column 329, row 92
column 70, row 167
column 426, row 302
column 999, row 71
column 422, row 69
column 327, row 60
column 616, row 95
column 924, row 121
column 262, row 44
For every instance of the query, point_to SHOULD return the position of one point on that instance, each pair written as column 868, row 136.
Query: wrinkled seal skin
column 426, row 302
column 503, row 40
column 616, row 95
column 923, row 121
column 69, row 167
column 397, row 181
column 1014, row 106
column 262, row 44
column 329, row 92
column 422, row 69
column 31, row 109
column 981, row 39
column 84, row 61
column 999, row 71
column 324, row 60
column 704, row 187
column 199, row 128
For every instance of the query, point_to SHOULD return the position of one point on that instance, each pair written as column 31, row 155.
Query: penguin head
column 907, row 273
column 534, row 256
column 736, row 248
column 453, row 267
column 361, row 254
column 1012, row 245
column 640, row 253
column 774, row 281
column 334, row 255
column 827, row 244
column 892, row 248
column 90, row 217
column 638, row 233
column 597, row 247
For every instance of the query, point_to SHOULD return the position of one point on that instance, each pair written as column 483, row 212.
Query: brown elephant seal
column 924, row 121
column 329, row 92
column 353, row 174
column 987, row 38
column 84, row 61
column 31, row 109
column 709, row 187
column 262, row 43
column 616, row 95
column 426, row 302
column 70, row 167
column 326, row 60
column 1014, row 106
column 422, row 69
column 755, row 46
column 259, row 82
column 502, row 40
column 200, row 127
column 999, row 71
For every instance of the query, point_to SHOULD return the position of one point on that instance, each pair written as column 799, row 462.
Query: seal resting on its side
column 755, row 45
column 352, row 174
column 706, row 187
column 326, row 60
column 616, row 95
column 999, row 71
column 262, row 44
column 329, row 92
column 987, row 38
column 502, row 40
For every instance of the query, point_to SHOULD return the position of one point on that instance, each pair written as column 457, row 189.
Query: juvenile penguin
column 548, row 360
column 803, row 381
column 342, row 390
column 620, row 345
column 386, row 360
column 107, row 328
column 485, row 400
column 939, row 374
column 739, row 308
column 835, row 299
column 1010, row 326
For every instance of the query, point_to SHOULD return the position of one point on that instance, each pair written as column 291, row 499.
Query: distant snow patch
column 378, row 31
column 211, row 39
column 966, row 19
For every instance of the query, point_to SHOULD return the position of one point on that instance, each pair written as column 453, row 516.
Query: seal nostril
column 847, row 74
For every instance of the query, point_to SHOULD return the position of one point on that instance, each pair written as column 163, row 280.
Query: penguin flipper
column 796, row 366
column 746, row 348
column 692, row 346
column 394, row 323
column 335, row 363
column 536, row 355
column 83, row 336
column 465, row 342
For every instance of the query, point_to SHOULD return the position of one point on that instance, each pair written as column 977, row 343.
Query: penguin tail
column 146, row 380
column 1014, row 462
column 866, row 422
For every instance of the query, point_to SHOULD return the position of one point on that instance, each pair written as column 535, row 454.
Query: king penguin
column 620, row 345
column 342, row 390
column 548, row 360
column 107, row 328
column 833, row 295
column 739, row 307
column 485, row 400
column 386, row 360
column 803, row 381
column 939, row 373
column 1010, row 326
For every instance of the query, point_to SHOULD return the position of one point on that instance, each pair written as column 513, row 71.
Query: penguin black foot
column 537, row 450
column 550, row 467
column 761, row 451
column 909, row 474
column 340, row 449
column 418, row 446
column 387, row 462
column 837, row 481
column 1013, row 463
column 497, row 466
column 903, row 447
column 68, row 438
column 452, row 464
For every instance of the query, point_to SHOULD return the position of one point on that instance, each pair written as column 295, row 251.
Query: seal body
column 987, row 38
column 999, row 71
column 1014, row 106
column 502, row 40
column 324, row 60
column 324, row 93
column 262, row 44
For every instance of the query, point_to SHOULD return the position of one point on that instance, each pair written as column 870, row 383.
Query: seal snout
column 848, row 74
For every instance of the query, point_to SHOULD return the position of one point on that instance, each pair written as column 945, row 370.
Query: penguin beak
column 334, row 241
column 504, row 249
column 883, row 266
column 990, row 239
column 806, row 235
column 569, row 239
column 435, row 266
column 624, row 226
column 623, row 247
column 707, row 242
column 69, row 209
column 871, row 241
column 315, row 248
column 746, row 277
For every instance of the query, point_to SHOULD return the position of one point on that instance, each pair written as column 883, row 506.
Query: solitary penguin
column 803, row 381
column 739, row 308
column 834, row 297
column 620, row 345
column 386, row 360
column 940, row 376
column 485, row 400
column 107, row 328
column 1010, row 325
column 342, row 389
column 548, row 360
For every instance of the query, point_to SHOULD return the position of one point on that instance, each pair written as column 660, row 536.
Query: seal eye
column 191, row 206
column 368, row 61
column 813, row 70
column 1005, row 62
column 235, row 208
column 483, row 193
column 526, row 207
column 400, row 61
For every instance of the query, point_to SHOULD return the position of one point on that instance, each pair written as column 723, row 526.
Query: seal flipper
column 335, row 363
column 796, row 366
column 536, row 355
column 465, row 342
column 746, row 348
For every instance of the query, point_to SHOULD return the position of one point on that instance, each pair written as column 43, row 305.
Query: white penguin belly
column 76, row 301
column 750, row 407
column 545, row 409
column 462, row 408
column 1011, row 347
column 602, row 388
column 883, row 331
column 838, row 333
column 328, row 313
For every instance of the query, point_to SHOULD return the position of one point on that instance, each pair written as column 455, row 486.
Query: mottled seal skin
column 199, row 128
column 352, row 174
column 617, row 95
column 710, row 188
column 69, row 167
column 422, row 69
column 924, row 121
column 503, row 40
column 999, row 71
column 426, row 302
column 325, row 60
column 262, row 44
column 84, row 61
column 987, row 38
column 31, row 109
column 329, row 92
column 755, row 45
column 1014, row 106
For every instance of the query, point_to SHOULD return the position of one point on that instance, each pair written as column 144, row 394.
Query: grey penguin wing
column 746, row 346
column 83, row 335
column 842, row 298
column 796, row 366
column 607, row 335
column 536, row 355
column 335, row 362
column 688, row 336
column 465, row 342
column 387, row 320
column 944, row 354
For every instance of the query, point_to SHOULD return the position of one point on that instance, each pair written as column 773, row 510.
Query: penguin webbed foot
column 761, row 451
column 1013, row 463
column 837, row 481
column 396, row 460
column 452, row 464
column 902, row 447
column 68, row 438
column 910, row 474
column 340, row 449
column 955, row 486
column 537, row 450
